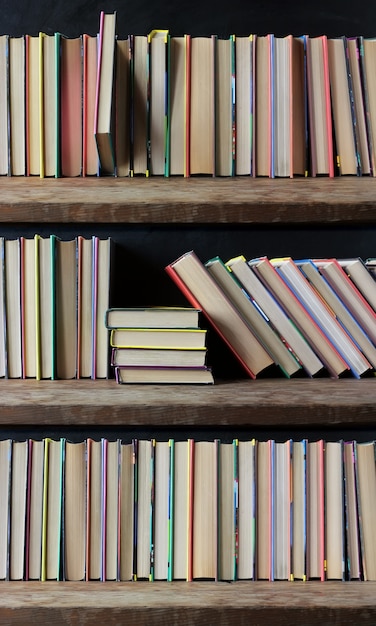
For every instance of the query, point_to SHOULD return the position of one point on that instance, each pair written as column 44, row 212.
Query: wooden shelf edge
column 278, row 603
column 263, row 403
column 155, row 200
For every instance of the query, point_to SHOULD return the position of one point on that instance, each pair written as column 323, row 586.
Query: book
column 139, row 104
column 126, row 510
column 361, row 277
column 178, row 105
column 17, row 110
column 12, row 261
column 322, row 315
column 111, row 509
column 282, row 323
column 253, row 317
column 264, row 522
column 50, row 105
column 44, row 317
column 353, row 560
column 325, row 351
column 299, row 120
column 224, row 106
column 355, row 71
column 159, row 357
column 90, row 164
column 104, row 99
column 32, row 104
column 28, row 306
column 71, row 75
column 205, row 486
column 66, row 308
column 74, row 510
column 161, row 503
column 34, row 519
column 182, row 486
column 341, row 92
column 315, row 510
column 158, row 338
column 122, row 107
column 194, row 280
column 319, row 106
column 5, row 504
column 299, row 510
column 94, row 510
column 152, row 317
column 334, row 511
column 158, row 109
column 4, row 105
column 102, row 268
column 366, row 489
column 227, row 509
column 201, row 106
column 281, row 516
column 350, row 295
column 367, row 51
column 246, row 509
column 342, row 313
column 244, row 52
column 85, row 287
column 163, row 374
column 263, row 106
column 3, row 326
column 17, row 561
column 52, row 523
column 143, row 510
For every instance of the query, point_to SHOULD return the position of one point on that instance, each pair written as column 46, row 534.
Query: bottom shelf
column 141, row 603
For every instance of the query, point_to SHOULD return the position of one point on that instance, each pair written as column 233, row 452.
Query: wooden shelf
column 266, row 403
column 190, row 201
column 240, row 603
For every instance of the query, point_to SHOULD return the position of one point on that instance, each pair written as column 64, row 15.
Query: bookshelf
column 222, row 207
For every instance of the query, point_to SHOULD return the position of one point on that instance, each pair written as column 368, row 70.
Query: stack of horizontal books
column 158, row 345
column 312, row 316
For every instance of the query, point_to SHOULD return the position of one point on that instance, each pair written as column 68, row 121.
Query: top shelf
column 239, row 200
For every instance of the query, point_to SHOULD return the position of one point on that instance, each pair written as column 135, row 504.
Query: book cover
column 71, row 74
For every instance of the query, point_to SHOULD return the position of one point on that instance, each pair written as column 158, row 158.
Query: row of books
column 310, row 316
column 160, row 104
column 169, row 510
column 54, row 294
column 158, row 345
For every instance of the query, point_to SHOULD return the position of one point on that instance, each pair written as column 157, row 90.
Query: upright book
column 71, row 106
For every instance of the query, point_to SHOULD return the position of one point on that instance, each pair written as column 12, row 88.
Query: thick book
column 126, row 510
column 53, row 506
column 355, row 72
column 225, row 106
column 101, row 293
column 322, row 315
column 246, row 509
column 281, row 516
column 159, row 357
column 85, row 288
column 324, row 349
column 201, row 290
column 334, row 511
column 263, row 123
column 5, row 502
column 12, row 273
column 352, row 536
column 202, row 107
column 17, row 109
column 205, row 510
column 158, row 110
column 158, row 338
column 17, row 537
column 44, row 306
column 244, row 79
column 94, row 510
column 152, row 317
column 253, row 317
column 28, row 306
column 110, row 510
column 71, row 74
column 182, row 486
column 367, row 51
column 361, row 277
column 65, row 300
column 161, row 503
column 50, row 105
column 281, row 322
column 32, row 104
column 75, row 510
column 122, row 107
column 159, row 375
column 104, row 99
column 366, row 490
column 139, row 104
column 177, row 105
column 315, row 511
column 34, row 513
column 227, row 509
column 299, row 510
column 319, row 106
column 90, row 165
column 264, row 509
column 143, row 508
